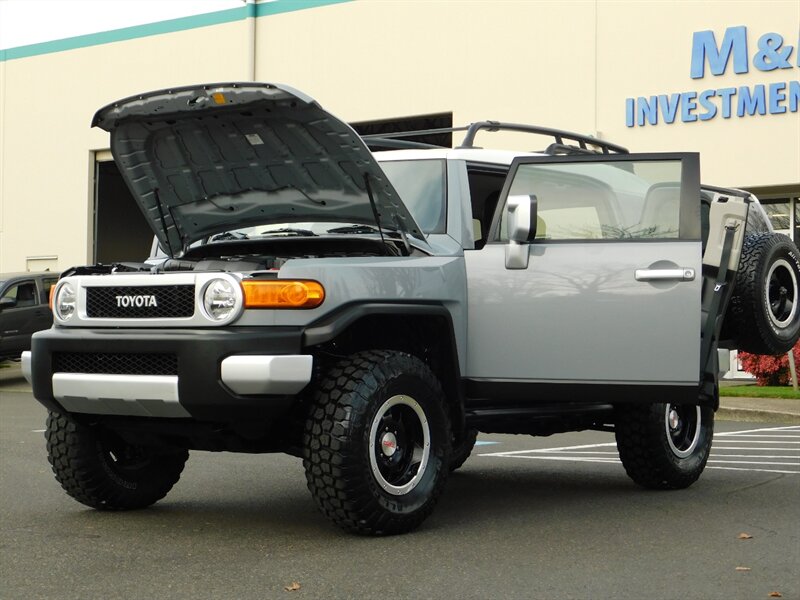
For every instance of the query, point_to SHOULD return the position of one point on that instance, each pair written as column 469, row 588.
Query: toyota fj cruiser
column 372, row 312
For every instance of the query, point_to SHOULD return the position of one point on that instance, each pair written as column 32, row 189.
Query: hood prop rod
column 163, row 222
column 374, row 207
column 377, row 216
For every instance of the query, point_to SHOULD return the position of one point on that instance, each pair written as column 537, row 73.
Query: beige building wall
column 644, row 49
column 501, row 60
column 568, row 65
column 48, row 101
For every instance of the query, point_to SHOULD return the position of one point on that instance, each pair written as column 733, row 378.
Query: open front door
column 604, row 301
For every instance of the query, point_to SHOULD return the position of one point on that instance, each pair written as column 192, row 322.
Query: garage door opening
column 121, row 232
column 416, row 123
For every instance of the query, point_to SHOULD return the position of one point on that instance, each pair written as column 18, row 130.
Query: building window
column 784, row 213
column 796, row 236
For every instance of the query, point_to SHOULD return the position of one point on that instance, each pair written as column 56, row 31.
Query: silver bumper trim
column 25, row 361
column 262, row 374
column 130, row 395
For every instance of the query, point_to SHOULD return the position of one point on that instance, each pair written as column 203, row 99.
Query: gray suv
column 371, row 312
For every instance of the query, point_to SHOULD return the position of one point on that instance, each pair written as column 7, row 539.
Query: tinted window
column 23, row 293
column 46, row 285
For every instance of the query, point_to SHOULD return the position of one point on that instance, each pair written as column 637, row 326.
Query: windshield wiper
column 289, row 231
column 228, row 236
column 376, row 213
column 354, row 229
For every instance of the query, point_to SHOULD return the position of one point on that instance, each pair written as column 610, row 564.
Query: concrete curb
column 756, row 415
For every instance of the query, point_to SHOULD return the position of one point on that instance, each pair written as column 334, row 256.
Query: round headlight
column 65, row 301
column 219, row 299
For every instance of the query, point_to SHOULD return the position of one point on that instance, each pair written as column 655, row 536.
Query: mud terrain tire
column 377, row 443
column 664, row 446
column 764, row 315
column 99, row 470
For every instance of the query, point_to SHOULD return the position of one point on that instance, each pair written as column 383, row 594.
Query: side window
column 602, row 200
column 46, row 285
column 484, row 188
column 23, row 293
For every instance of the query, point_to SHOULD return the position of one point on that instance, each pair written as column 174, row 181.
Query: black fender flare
column 331, row 325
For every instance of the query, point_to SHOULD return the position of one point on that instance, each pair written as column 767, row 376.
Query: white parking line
column 782, row 452
column 749, row 441
column 784, row 428
column 754, row 470
column 766, row 435
column 760, row 449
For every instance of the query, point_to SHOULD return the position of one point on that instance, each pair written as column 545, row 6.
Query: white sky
column 24, row 22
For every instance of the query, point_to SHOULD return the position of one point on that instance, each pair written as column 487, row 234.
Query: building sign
column 771, row 53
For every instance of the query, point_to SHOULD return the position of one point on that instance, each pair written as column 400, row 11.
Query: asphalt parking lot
column 525, row 518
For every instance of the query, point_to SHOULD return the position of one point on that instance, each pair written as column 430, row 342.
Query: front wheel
column 664, row 446
column 99, row 469
column 377, row 443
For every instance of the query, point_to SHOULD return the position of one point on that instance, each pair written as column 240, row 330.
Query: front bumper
column 221, row 375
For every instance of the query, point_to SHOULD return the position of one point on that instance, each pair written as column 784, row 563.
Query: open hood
column 209, row 158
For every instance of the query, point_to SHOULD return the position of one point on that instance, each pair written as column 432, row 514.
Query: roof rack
column 586, row 144
column 382, row 141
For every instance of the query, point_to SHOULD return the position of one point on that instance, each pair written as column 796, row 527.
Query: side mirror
column 521, row 225
column 521, row 218
column 7, row 303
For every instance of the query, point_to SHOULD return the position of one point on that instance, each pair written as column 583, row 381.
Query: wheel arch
column 425, row 330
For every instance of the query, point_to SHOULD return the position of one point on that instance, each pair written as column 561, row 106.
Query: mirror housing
column 7, row 303
column 521, row 218
column 521, row 225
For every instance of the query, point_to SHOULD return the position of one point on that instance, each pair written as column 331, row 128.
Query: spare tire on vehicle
column 763, row 316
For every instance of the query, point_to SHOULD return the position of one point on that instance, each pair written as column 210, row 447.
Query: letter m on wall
column 704, row 48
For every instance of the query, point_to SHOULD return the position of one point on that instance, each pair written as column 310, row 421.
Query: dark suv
column 23, row 310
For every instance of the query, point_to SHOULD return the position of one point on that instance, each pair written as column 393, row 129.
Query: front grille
column 115, row 364
column 140, row 302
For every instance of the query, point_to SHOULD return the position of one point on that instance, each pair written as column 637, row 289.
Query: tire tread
column 334, row 459
column 78, row 465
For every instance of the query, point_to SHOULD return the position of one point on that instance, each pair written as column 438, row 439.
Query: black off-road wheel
column 462, row 448
column 377, row 443
column 100, row 470
column 764, row 316
column 664, row 446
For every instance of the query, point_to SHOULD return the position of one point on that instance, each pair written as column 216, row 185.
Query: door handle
column 679, row 274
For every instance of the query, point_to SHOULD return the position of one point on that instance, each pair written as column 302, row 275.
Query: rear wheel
column 376, row 443
column 764, row 316
column 664, row 446
column 99, row 469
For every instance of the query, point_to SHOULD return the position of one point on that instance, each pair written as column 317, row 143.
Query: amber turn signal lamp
column 50, row 296
column 277, row 293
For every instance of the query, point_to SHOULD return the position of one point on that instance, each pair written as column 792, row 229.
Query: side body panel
column 577, row 314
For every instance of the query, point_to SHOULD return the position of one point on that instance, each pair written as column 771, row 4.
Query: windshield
column 419, row 183
column 421, row 186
